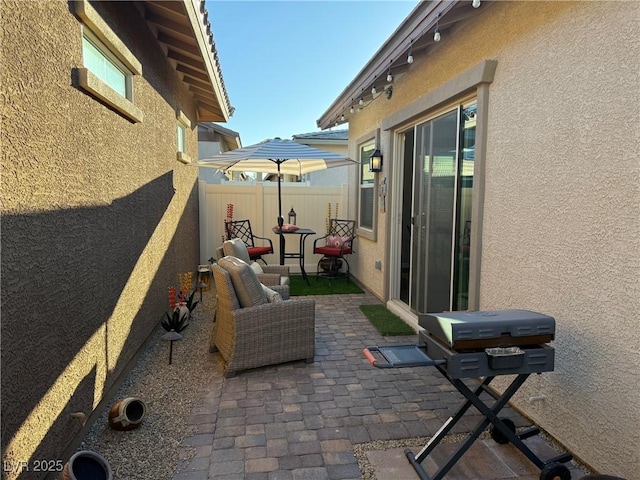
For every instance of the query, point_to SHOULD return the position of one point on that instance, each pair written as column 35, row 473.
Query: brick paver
column 300, row 421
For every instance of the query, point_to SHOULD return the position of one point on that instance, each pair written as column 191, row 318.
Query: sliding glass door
column 437, row 229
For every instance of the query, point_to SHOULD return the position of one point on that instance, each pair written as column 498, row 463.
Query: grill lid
column 491, row 328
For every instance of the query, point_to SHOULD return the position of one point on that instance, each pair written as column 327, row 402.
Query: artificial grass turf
column 321, row 286
column 386, row 322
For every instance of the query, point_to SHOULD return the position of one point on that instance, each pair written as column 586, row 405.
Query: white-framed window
column 182, row 137
column 105, row 66
column 183, row 128
column 366, row 189
column 108, row 66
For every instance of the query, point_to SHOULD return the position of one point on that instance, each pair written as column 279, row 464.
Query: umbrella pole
column 280, row 218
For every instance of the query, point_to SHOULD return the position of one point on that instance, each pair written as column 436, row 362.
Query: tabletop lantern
column 292, row 216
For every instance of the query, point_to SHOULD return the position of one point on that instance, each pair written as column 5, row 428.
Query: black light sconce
column 375, row 161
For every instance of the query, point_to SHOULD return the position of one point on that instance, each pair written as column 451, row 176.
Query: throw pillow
column 236, row 248
column 333, row 241
column 346, row 240
column 272, row 295
column 287, row 227
column 255, row 266
column 247, row 286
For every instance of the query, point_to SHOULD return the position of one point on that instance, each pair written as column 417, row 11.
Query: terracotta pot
column 325, row 264
column 127, row 414
column 87, row 465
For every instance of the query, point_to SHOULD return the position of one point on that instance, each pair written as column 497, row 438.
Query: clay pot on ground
column 87, row 465
column 127, row 414
column 325, row 264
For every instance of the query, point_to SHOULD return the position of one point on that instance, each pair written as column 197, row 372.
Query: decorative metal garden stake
column 172, row 336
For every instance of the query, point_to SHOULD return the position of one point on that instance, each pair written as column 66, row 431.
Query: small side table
column 302, row 233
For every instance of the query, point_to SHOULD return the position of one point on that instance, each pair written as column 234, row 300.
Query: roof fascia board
column 423, row 17
column 192, row 8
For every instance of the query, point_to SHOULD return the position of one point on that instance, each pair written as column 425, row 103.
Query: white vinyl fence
column 258, row 202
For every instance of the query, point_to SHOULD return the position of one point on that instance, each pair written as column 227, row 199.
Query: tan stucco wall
column 561, row 224
column 366, row 250
column 98, row 218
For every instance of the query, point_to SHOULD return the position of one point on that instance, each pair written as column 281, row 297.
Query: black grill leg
column 490, row 417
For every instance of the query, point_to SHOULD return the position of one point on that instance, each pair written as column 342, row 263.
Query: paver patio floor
column 301, row 421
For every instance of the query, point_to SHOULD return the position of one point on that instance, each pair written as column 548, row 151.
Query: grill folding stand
column 486, row 363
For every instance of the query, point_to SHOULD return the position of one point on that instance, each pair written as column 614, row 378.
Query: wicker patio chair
column 269, row 275
column 260, row 333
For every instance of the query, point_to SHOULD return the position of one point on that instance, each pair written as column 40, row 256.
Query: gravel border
column 169, row 393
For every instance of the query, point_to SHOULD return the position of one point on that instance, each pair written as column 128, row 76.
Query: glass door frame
column 395, row 217
column 473, row 82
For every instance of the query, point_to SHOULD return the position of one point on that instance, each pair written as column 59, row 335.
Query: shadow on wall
column 63, row 273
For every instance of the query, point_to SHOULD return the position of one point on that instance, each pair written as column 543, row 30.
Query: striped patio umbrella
column 276, row 156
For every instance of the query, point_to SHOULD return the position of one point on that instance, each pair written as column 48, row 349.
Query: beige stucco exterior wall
column 367, row 250
column 561, row 223
column 98, row 218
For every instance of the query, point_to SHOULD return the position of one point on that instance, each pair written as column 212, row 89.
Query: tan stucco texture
column 561, row 222
column 98, row 218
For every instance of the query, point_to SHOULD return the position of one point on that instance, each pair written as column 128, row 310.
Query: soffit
column 184, row 32
column 415, row 35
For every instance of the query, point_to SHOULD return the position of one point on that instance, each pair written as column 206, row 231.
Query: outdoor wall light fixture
column 375, row 161
column 351, row 109
column 373, row 90
column 389, row 76
column 361, row 102
column 436, row 35
column 410, row 58
column 475, row 3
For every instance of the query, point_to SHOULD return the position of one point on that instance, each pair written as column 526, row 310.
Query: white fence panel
column 259, row 203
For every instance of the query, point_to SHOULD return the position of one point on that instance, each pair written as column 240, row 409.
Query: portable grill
column 481, row 344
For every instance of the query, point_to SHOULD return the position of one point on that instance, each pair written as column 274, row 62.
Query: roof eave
column 209, row 55
column 414, row 34
column 182, row 29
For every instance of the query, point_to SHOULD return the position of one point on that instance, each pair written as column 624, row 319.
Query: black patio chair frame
column 330, row 264
column 242, row 229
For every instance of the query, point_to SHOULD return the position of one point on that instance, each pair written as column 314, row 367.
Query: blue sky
column 285, row 62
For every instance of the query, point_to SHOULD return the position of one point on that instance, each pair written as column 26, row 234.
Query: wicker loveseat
column 249, row 331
